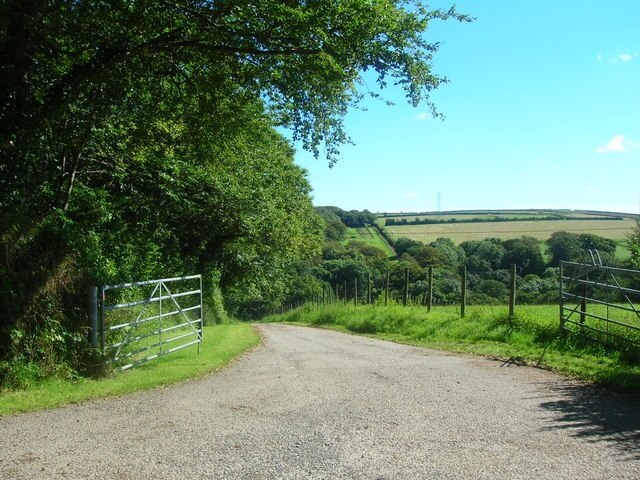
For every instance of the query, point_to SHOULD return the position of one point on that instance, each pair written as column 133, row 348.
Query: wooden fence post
column 583, row 303
column 92, row 315
column 430, row 290
column 512, row 290
column 463, row 295
column 369, row 288
column 355, row 291
column 386, row 290
column 406, row 287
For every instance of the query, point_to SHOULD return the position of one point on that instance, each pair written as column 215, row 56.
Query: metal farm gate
column 146, row 320
column 599, row 301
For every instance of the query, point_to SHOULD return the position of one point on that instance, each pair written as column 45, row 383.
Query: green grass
column 368, row 235
column 532, row 337
column 622, row 250
column 222, row 343
column 542, row 230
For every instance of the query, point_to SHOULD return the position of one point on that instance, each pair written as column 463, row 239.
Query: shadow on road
column 595, row 415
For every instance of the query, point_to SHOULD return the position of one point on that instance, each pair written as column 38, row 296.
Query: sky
column 542, row 111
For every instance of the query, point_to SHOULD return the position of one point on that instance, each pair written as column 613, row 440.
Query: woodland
column 145, row 139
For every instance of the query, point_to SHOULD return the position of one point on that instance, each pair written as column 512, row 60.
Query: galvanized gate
column 599, row 301
column 150, row 319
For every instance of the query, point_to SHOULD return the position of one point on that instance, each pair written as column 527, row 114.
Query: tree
column 483, row 254
column 590, row 241
column 404, row 244
column 138, row 137
column 634, row 245
column 525, row 253
column 564, row 246
column 454, row 255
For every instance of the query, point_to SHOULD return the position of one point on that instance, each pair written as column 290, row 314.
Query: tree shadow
column 595, row 415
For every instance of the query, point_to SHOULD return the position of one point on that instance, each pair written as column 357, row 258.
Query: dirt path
column 317, row 404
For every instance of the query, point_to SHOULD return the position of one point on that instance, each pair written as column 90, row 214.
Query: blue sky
column 542, row 111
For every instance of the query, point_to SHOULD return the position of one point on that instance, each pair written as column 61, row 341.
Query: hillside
column 505, row 224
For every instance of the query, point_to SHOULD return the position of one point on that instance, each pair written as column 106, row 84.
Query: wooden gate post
column 92, row 314
column 561, row 283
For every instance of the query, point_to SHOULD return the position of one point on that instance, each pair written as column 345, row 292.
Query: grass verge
column 221, row 344
column 532, row 337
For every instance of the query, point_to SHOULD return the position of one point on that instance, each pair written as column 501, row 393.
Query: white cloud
column 423, row 116
column 621, row 57
column 410, row 195
column 616, row 144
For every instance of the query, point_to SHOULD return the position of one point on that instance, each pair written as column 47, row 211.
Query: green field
column 471, row 225
column 542, row 230
column 368, row 235
column 506, row 214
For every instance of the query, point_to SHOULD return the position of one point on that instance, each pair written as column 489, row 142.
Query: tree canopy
column 138, row 138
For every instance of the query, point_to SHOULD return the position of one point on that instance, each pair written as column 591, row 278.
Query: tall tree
column 634, row 245
column 138, row 135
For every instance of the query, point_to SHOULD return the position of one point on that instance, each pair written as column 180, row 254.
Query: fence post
column 561, row 283
column 102, row 322
column 512, row 290
column 463, row 295
column 369, row 288
column 345, row 292
column 386, row 290
column 201, row 333
column 355, row 292
column 583, row 304
column 92, row 314
column 406, row 287
column 430, row 290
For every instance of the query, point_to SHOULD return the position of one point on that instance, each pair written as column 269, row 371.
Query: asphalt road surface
column 314, row 404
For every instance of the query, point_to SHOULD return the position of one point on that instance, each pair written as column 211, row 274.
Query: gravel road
column 321, row 405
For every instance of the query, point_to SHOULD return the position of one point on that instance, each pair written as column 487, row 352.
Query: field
column 542, row 230
column 465, row 229
column 368, row 235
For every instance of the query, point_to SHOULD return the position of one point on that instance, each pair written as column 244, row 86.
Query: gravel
column 315, row 404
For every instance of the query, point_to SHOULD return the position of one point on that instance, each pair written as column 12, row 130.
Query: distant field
column 367, row 235
column 542, row 229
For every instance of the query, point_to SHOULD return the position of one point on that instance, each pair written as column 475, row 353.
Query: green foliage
column 525, row 253
column 574, row 248
column 222, row 343
column 138, row 140
column 634, row 245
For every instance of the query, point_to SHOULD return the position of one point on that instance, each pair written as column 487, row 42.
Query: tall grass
column 531, row 337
